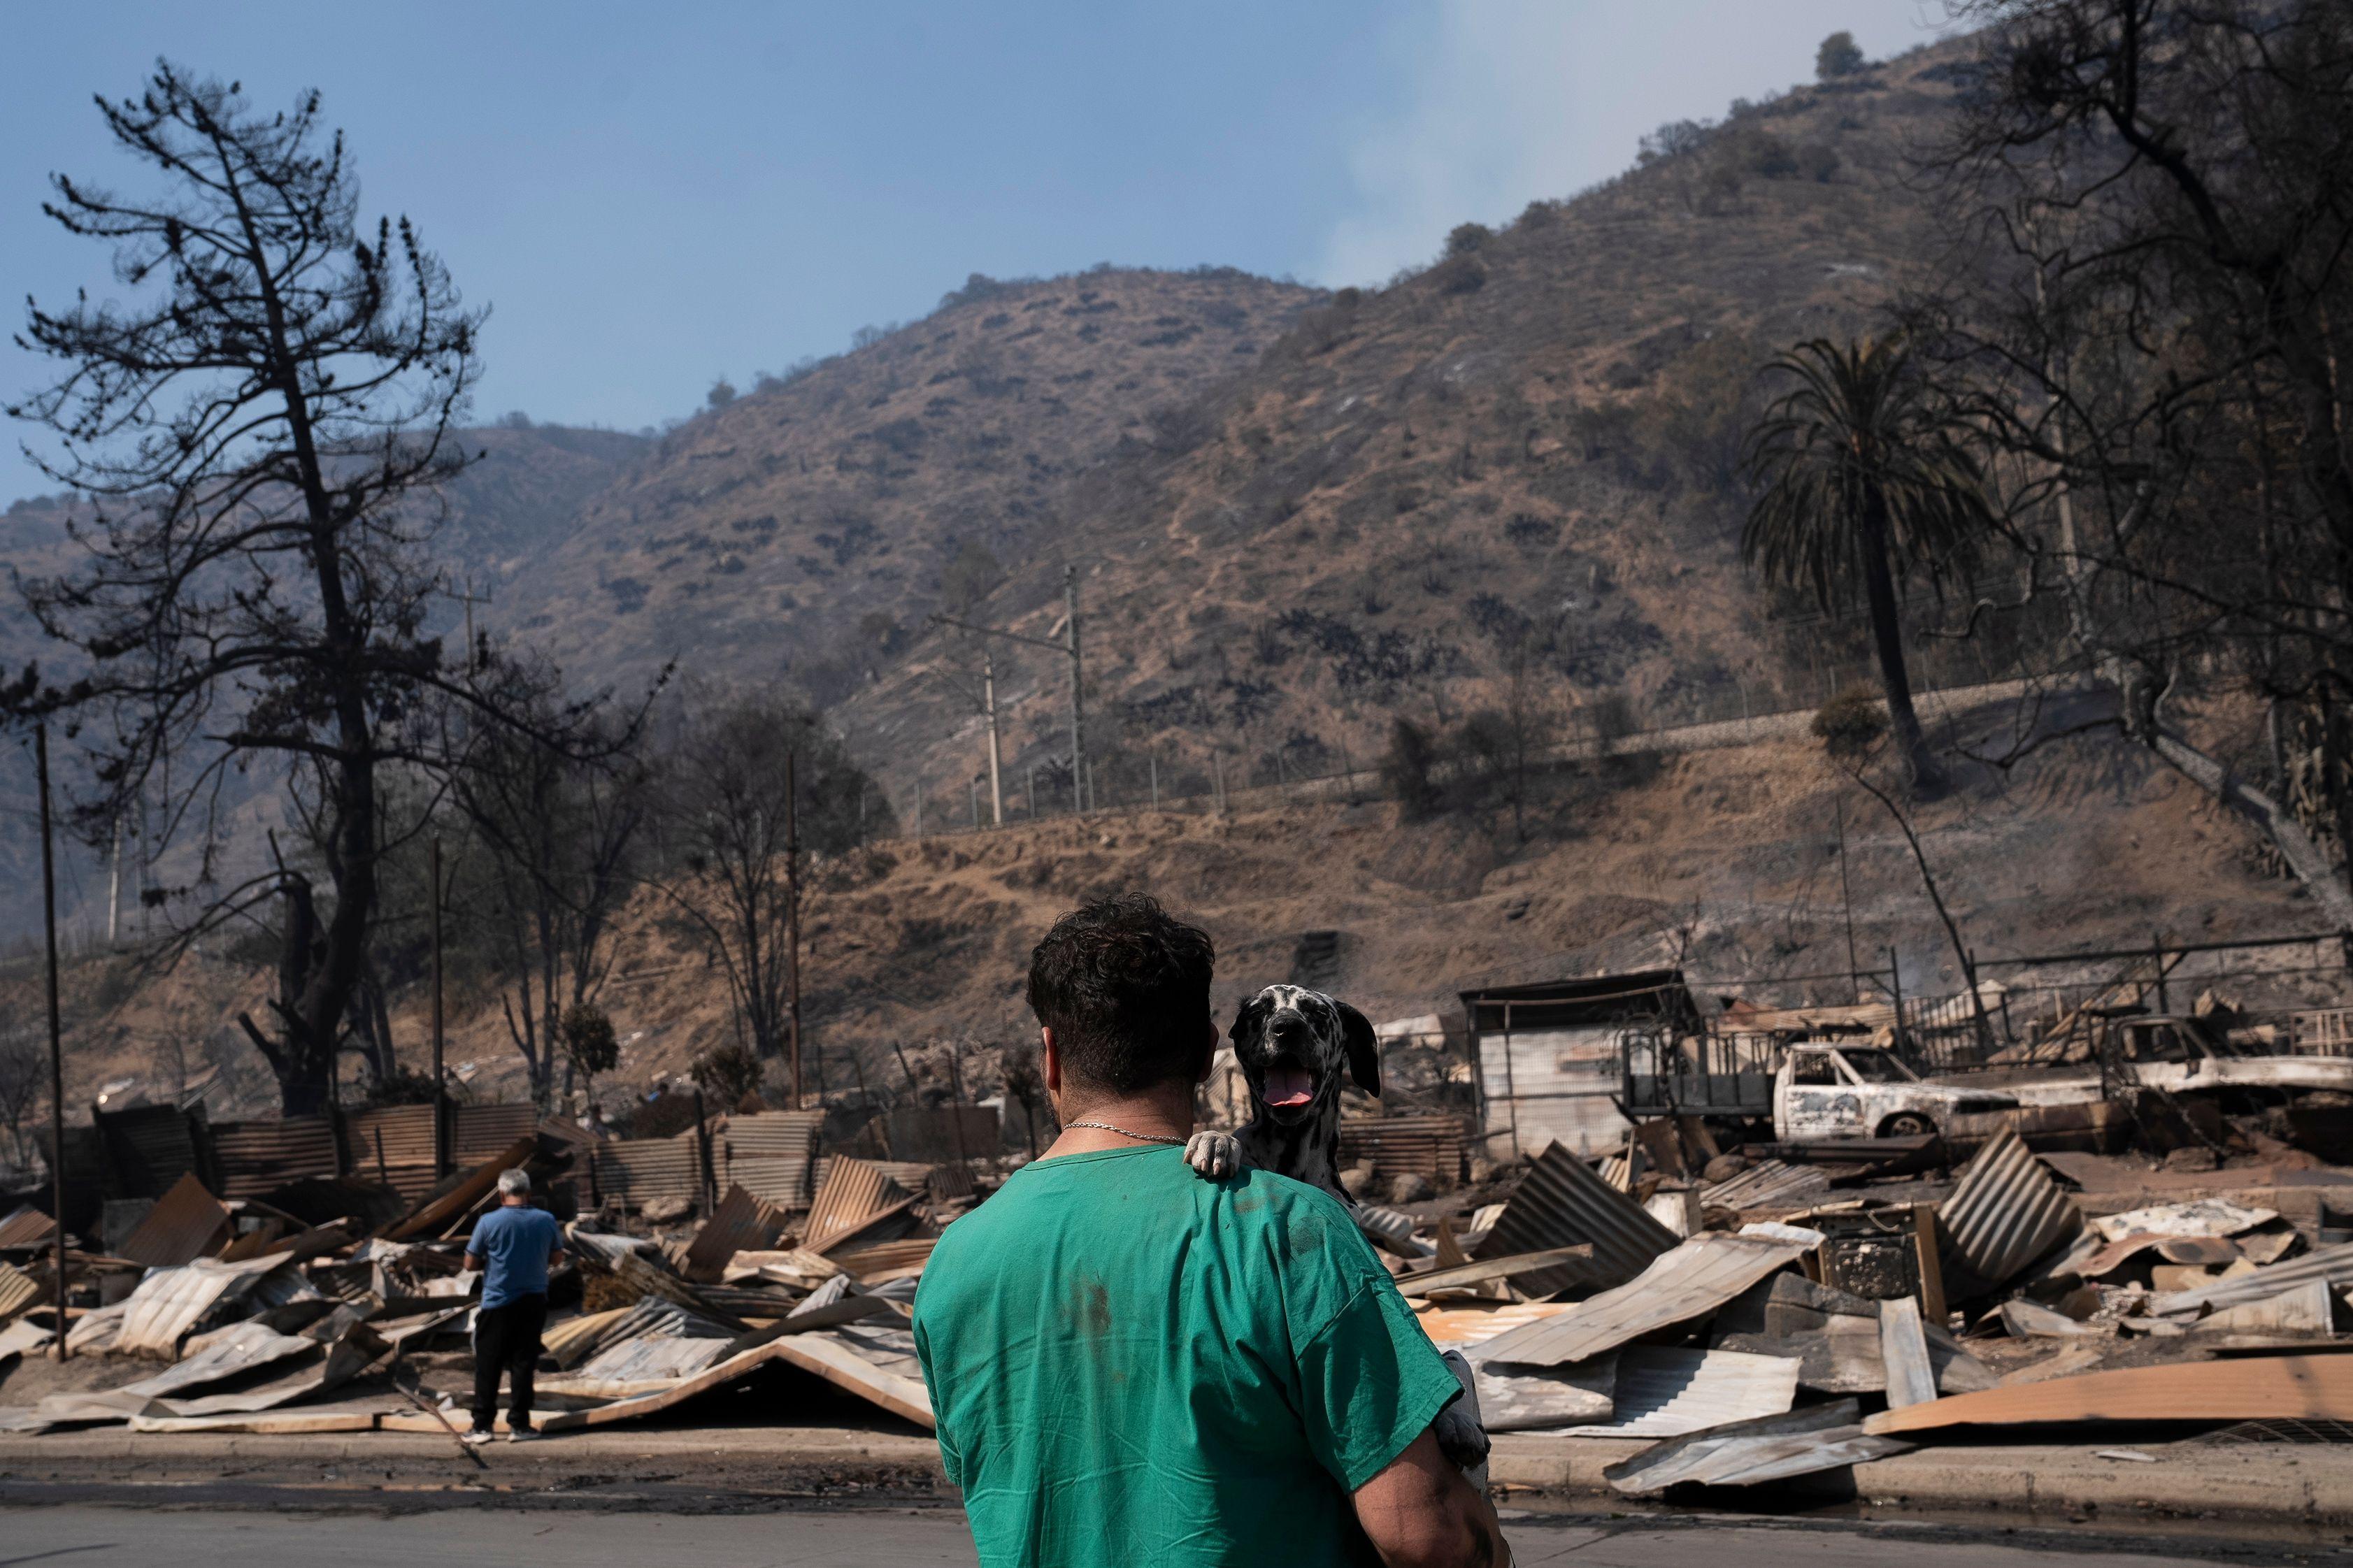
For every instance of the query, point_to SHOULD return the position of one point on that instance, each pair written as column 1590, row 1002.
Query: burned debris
column 258, row 1319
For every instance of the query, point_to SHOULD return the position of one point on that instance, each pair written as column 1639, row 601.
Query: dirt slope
column 759, row 536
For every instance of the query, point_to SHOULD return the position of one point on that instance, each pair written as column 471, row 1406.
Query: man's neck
column 1143, row 1121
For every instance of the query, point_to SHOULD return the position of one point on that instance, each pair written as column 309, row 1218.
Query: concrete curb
column 2301, row 1484
column 2286, row 1482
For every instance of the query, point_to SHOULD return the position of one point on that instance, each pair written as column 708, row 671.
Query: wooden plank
column 1926, row 1250
column 268, row 1421
column 1903, row 1350
column 1490, row 1269
column 2287, row 1388
column 456, row 1202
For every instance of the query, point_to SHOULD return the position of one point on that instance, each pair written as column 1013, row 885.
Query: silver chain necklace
column 1139, row 1137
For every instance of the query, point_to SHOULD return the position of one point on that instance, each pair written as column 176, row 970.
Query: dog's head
column 1292, row 1044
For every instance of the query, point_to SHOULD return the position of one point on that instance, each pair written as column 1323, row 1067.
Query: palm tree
column 1867, row 478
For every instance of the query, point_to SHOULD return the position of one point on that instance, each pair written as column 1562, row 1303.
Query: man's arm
column 1422, row 1513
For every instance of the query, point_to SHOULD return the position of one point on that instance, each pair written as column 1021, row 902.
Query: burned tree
column 746, row 775
column 558, row 830
column 258, row 429
column 2153, row 289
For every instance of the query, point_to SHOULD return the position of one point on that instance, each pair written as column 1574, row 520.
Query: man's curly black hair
column 1124, row 985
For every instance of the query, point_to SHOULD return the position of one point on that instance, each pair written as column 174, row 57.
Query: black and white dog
column 1292, row 1044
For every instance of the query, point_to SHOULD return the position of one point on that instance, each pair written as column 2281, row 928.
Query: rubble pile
column 1766, row 1319
column 1749, row 1314
column 256, row 1321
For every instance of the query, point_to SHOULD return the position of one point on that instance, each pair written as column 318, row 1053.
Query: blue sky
column 651, row 196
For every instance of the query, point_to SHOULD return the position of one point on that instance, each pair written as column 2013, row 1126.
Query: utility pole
column 988, row 701
column 1069, row 648
column 1077, row 699
column 57, row 1035
column 793, row 921
column 441, row 1092
column 470, row 600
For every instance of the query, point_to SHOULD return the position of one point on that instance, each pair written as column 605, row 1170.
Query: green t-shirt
column 1131, row 1364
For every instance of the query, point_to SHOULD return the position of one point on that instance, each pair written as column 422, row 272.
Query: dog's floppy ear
column 1364, row 1049
column 1247, row 1018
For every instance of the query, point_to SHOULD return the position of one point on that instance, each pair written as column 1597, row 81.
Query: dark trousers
column 506, row 1338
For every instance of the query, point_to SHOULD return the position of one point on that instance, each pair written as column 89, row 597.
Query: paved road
column 72, row 1536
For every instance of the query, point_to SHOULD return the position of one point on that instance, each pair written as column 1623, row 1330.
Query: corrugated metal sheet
column 148, row 1148
column 1560, row 1203
column 255, row 1158
column 1398, row 1145
column 741, row 1223
column 640, row 1171
column 1773, row 1447
column 29, row 1226
column 404, row 1134
column 1392, row 1229
column 1691, row 1281
column 169, row 1303
column 2008, row 1211
column 2333, row 1264
column 952, row 1181
column 854, row 1192
column 1545, row 1086
column 894, row 1259
column 773, row 1133
column 913, row 1176
column 642, row 1364
column 17, row 1291
column 230, row 1352
column 1665, row 1392
column 1769, row 1184
column 932, row 1133
column 1461, row 1327
column 185, row 1225
column 769, row 1155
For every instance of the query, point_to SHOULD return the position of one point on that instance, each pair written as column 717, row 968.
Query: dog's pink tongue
column 1288, row 1086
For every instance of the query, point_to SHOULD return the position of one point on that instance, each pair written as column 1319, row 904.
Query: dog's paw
column 1213, row 1155
column 1461, row 1438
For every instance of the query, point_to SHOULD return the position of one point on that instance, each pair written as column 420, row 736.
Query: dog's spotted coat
column 1292, row 1027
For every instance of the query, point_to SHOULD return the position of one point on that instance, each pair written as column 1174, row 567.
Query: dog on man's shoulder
column 1293, row 1044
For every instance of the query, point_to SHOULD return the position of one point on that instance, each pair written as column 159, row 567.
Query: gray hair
column 514, row 1183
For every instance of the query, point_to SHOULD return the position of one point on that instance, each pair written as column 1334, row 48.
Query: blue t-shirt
column 514, row 1244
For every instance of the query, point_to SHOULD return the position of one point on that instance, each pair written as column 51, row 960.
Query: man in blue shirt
column 514, row 1246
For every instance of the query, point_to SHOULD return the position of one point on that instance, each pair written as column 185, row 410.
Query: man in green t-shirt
column 1133, row 1365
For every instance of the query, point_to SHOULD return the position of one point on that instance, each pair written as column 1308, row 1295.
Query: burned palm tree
column 1868, row 479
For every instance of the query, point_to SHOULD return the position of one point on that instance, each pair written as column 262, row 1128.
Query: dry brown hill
column 1534, row 437
column 1727, row 859
column 804, row 530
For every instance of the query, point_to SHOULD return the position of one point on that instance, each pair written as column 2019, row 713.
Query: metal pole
column 57, row 1035
column 440, row 1089
column 1896, row 989
column 114, row 884
column 988, row 699
column 1152, row 761
column 793, row 918
column 1846, row 899
column 1029, row 804
column 1077, row 703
